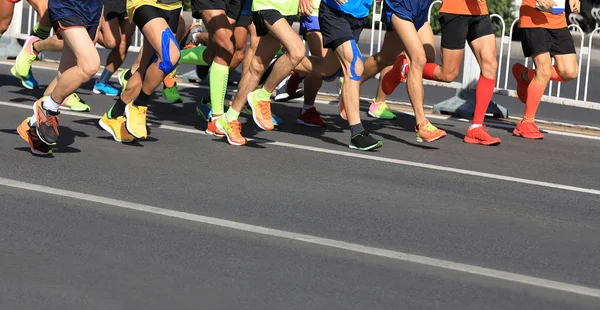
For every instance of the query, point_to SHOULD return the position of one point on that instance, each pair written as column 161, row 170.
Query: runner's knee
column 89, row 67
column 568, row 73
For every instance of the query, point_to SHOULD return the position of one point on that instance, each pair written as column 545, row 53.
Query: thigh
column 78, row 40
column 428, row 40
column 284, row 33
column 408, row 34
column 6, row 12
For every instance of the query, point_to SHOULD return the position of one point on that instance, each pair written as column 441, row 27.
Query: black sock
column 142, row 99
column 128, row 74
column 117, row 110
column 356, row 129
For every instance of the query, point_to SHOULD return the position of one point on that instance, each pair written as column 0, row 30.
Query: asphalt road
column 528, row 211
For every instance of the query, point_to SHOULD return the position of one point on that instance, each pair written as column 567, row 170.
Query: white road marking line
column 356, row 155
column 348, row 246
column 431, row 116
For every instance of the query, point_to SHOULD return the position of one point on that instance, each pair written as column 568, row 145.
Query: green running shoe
column 381, row 111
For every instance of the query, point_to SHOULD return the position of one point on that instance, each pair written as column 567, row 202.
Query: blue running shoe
column 28, row 81
column 105, row 88
column 204, row 109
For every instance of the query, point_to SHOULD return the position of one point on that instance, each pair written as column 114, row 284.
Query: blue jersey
column 356, row 8
column 247, row 7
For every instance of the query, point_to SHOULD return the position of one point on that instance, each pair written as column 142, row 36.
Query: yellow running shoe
column 136, row 120
column 74, row 103
column 116, row 127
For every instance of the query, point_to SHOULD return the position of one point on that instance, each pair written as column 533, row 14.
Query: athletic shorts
column 115, row 9
column 308, row 24
column 146, row 13
column 414, row 11
column 459, row 29
column 338, row 27
column 541, row 40
column 232, row 8
column 268, row 16
column 65, row 14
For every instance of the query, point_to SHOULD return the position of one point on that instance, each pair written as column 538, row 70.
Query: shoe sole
column 477, row 141
column 74, row 110
column 434, row 139
column 100, row 92
column 111, row 132
column 127, row 124
column 301, row 122
column 25, row 137
column 254, row 114
column 377, row 117
column 519, row 134
column 227, row 136
column 372, row 147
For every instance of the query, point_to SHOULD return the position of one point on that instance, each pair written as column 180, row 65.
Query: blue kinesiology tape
column 355, row 56
column 166, row 66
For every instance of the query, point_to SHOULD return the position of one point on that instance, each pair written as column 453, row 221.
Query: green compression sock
column 263, row 94
column 193, row 56
column 231, row 115
column 219, row 75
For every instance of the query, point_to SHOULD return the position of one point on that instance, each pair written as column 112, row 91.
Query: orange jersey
column 531, row 17
column 464, row 7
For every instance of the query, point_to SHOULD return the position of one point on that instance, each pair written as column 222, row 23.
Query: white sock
column 50, row 105
column 475, row 126
column 305, row 107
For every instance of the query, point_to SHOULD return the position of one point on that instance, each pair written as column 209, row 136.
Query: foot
column 74, row 103
column 232, row 130
column 261, row 112
column 212, row 129
column 395, row 76
column 426, row 132
column 46, row 123
column 518, row 70
column 364, row 142
column 136, row 120
column 29, row 134
column 103, row 88
column 116, row 128
column 480, row 135
column 381, row 111
column 528, row 130
column 310, row 118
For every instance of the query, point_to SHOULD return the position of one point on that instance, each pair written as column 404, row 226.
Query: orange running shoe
column 261, row 111
column 528, row 130
column 522, row 85
column 213, row 130
column 46, row 123
column 36, row 145
column 342, row 108
column 395, row 76
column 480, row 135
column 428, row 133
column 232, row 130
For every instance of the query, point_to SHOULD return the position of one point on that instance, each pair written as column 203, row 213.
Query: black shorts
column 69, row 22
column 338, row 27
column 115, row 9
column 268, row 16
column 541, row 40
column 459, row 29
column 146, row 13
column 243, row 20
column 232, row 8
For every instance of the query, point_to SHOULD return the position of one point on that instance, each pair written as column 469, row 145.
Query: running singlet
column 464, row 7
column 285, row 7
column 134, row 4
column 531, row 17
column 356, row 8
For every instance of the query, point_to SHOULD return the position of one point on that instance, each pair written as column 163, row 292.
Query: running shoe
column 74, row 103
column 310, row 118
column 480, row 135
column 342, row 108
column 29, row 134
column 28, row 81
column 518, row 70
column 232, row 130
column 364, row 142
column 116, row 128
column 426, row 132
column 122, row 80
column 46, row 123
column 171, row 94
column 528, row 130
column 25, row 59
column 261, row 111
column 102, row 88
column 380, row 111
column 395, row 76
column 212, row 129
column 136, row 120
column 190, row 41
column 203, row 108
column 277, row 121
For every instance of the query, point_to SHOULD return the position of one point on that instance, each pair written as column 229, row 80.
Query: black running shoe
column 364, row 142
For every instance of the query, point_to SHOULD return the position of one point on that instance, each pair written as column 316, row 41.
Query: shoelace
column 263, row 106
column 382, row 107
column 235, row 126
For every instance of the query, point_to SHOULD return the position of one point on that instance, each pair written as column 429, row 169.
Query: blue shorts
column 65, row 14
column 308, row 24
column 415, row 11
